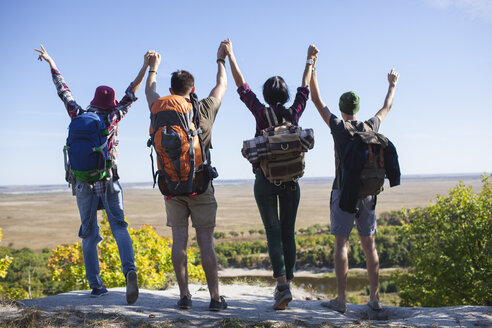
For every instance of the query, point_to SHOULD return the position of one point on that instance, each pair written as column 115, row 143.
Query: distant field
column 49, row 219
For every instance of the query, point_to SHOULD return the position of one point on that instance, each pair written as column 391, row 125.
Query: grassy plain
column 49, row 219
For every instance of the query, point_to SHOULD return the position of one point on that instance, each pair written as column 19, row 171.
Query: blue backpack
column 87, row 148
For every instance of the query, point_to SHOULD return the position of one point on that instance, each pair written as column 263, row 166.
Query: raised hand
column 312, row 52
column 154, row 59
column 147, row 58
column 221, row 52
column 393, row 77
column 44, row 55
column 227, row 46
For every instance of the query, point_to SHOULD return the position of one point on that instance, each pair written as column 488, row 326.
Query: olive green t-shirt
column 208, row 108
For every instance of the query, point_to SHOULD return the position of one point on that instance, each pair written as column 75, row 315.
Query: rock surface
column 254, row 303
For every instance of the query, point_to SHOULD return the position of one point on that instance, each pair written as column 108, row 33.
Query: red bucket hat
column 104, row 98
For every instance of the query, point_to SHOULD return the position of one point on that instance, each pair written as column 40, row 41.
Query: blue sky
column 440, row 121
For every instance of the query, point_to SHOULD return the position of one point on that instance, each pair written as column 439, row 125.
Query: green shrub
column 4, row 261
column 27, row 263
column 219, row 235
column 152, row 259
column 451, row 251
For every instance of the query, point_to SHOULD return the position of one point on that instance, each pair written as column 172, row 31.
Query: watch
column 309, row 62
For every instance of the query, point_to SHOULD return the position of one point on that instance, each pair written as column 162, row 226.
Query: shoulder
column 244, row 89
column 209, row 104
column 374, row 123
column 336, row 124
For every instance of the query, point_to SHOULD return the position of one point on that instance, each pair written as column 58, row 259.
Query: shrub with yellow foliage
column 152, row 259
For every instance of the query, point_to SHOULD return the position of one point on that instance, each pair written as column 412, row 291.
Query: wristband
column 153, row 72
column 309, row 62
column 221, row 60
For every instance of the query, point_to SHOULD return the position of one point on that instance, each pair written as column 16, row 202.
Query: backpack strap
column 287, row 115
column 367, row 127
column 198, row 131
column 271, row 117
column 353, row 130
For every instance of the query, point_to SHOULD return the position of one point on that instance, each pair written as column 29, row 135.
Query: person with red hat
column 105, row 193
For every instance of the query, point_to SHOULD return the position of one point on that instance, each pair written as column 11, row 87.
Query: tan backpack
column 280, row 149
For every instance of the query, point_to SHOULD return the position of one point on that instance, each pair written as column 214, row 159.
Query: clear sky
column 440, row 121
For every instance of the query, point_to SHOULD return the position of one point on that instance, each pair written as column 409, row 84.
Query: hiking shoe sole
column 282, row 303
column 283, row 300
column 131, row 287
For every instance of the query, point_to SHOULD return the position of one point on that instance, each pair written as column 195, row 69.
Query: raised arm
column 236, row 73
column 73, row 109
column 316, row 97
column 138, row 80
column 221, row 85
column 129, row 98
column 151, row 85
column 311, row 57
column 388, row 101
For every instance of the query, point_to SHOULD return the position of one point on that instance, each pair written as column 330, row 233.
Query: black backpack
column 373, row 172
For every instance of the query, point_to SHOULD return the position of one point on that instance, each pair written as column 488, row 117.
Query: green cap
column 349, row 103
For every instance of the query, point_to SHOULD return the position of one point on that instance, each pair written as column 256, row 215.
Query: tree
column 152, row 259
column 451, row 251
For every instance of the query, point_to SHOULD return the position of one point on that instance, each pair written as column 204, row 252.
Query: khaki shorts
column 202, row 209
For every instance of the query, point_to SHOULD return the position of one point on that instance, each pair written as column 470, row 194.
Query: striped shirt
column 111, row 117
column 258, row 109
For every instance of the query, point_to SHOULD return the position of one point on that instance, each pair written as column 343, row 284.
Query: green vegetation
column 4, row 261
column 27, row 266
column 315, row 247
column 62, row 269
column 446, row 246
column 152, row 258
column 451, row 253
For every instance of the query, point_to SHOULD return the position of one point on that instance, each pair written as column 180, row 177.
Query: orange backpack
column 175, row 134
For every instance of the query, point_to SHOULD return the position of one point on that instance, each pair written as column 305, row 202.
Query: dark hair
column 182, row 82
column 275, row 91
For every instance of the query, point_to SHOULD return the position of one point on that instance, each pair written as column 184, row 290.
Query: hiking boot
column 282, row 297
column 335, row 305
column 375, row 305
column 131, row 287
column 216, row 305
column 98, row 292
column 185, row 303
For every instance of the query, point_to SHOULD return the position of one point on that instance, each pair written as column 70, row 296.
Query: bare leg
column 180, row 260
column 372, row 260
column 204, row 237
column 341, row 266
